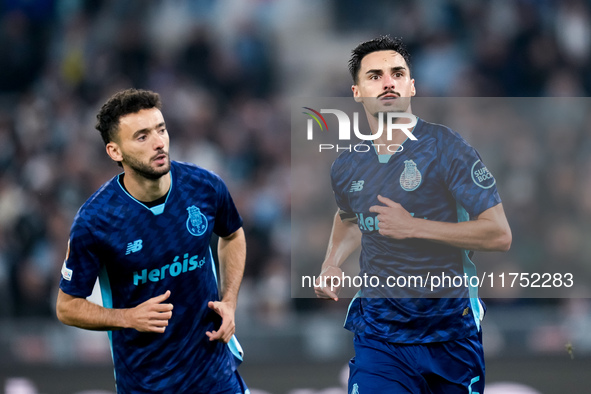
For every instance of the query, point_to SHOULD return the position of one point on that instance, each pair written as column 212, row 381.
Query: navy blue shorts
column 431, row 368
column 234, row 385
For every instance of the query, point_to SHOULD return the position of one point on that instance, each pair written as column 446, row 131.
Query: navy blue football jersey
column 139, row 253
column 438, row 177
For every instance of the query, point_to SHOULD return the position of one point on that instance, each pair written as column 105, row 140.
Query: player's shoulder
column 95, row 205
column 439, row 131
column 190, row 172
column 186, row 169
column 446, row 138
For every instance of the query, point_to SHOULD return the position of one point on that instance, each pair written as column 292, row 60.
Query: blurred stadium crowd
column 485, row 48
column 223, row 84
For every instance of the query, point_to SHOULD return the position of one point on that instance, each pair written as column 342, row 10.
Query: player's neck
column 144, row 189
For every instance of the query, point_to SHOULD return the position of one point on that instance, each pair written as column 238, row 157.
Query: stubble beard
column 145, row 170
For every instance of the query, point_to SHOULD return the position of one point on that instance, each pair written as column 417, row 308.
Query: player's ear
column 114, row 151
column 413, row 90
column 356, row 94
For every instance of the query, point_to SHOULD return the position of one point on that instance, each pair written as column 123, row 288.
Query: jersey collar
column 384, row 158
column 157, row 209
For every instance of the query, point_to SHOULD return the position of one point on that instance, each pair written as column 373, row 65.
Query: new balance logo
column 134, row 246
column 356, row 186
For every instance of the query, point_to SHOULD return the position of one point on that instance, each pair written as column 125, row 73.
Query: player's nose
column 159, row 142
column 388, row 83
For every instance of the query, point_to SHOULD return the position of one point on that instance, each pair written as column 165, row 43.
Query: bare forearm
column 471, row 235
column 82, row 313
column 232, row 257
column 489, row 232
column 345, row 237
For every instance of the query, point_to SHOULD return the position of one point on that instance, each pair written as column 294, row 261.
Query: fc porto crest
column 411, row 176
column 197, row 222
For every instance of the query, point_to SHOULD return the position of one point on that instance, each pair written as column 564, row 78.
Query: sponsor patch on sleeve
column 66, row 272
column 482, row 176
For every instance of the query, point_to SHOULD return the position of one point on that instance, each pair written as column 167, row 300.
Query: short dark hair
column 383, row 43
column 123, row 103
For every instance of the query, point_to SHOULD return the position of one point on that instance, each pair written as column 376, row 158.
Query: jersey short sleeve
column 339, row 179
column 82, row 264
column 227, row 219
column 465, row 175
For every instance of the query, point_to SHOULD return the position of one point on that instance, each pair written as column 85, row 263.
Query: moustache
column 160, row 152
column 389, row 92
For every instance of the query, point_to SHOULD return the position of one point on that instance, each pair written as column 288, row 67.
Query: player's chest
column 136, row 237
column 407, row 179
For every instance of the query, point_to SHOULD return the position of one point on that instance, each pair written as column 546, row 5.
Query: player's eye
column 162, row 131
column 141, row 138
column 374, row 77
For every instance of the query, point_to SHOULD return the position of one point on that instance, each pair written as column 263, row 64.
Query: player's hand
column 152, row 315
column 327, row 287
column 226, row 310
column 395, row 221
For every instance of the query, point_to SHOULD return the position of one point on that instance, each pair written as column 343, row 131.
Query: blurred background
column 227, row 71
